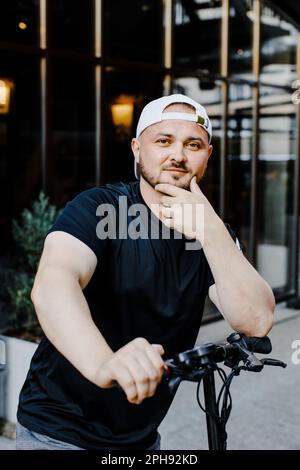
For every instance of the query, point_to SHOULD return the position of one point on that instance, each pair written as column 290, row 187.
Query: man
column 112, row 306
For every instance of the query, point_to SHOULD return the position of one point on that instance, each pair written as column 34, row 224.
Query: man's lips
column 175, row 169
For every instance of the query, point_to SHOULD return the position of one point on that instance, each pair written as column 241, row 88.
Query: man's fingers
column 159, row 348
column 194, row 186
column 168, row 200
column 139, row 370
column 141, row 378
column 169, row 189
column 157, row 361
column 153, row 373
column 126, row 381
column 150, row 371
column 167, row 212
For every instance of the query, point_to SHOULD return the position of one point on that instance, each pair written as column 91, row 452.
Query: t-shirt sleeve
column 211, row 280
column 79, row 218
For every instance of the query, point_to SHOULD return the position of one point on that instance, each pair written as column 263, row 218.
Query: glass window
column 20, row 162
column 71, row 25
column 278, row 49
column 277, row 150
column 197, row 34
column 276, row 224
column 133, row 30
column 19, row 22
column 208, row 93
column 71, row 165
column 238, row 183
column 241, row 21
column 127, row 92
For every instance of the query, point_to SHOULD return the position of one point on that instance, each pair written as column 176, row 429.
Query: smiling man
column 111, row 306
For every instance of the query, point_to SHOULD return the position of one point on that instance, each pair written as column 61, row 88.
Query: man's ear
column 135, row 147
column 210, row 150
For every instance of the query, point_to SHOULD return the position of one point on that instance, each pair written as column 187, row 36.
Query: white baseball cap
column 153, row 113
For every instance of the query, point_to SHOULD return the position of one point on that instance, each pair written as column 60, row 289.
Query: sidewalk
column 6, row 444
column 266, row 408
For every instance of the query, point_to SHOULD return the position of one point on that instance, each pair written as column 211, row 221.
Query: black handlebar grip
column 258, row 345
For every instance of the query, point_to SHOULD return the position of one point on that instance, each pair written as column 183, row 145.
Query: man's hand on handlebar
column 137, row 367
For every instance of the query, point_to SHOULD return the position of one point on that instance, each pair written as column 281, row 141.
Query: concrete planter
column 17, row 354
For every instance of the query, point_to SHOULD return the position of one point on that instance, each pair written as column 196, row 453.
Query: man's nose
column 177, row 153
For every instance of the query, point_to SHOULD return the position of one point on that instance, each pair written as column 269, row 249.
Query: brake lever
column 273, row 362
column 252, row 363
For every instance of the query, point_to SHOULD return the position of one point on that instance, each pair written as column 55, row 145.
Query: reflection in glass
column 19, row 22
column 277, row 150
column 71, row 166
column 276, row 223
column 240, row 38
column 133, row 30
column 132, row 89
column 197, row 32
column 238, row 184
column 278, row 49
column 20, row 166
column 71, row 24
column 207, row 93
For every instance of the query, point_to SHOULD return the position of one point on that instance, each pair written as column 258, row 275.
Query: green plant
column 17, row 278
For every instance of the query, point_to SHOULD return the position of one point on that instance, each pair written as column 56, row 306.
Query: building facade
column 74, row 76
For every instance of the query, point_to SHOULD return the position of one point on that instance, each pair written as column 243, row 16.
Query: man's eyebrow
column 161, row 134
column 195, row 138
column 171, row 136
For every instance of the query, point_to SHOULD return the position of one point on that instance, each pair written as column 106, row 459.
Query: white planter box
column 18, row 354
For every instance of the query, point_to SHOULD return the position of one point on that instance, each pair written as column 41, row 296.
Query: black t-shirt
column 142, row 287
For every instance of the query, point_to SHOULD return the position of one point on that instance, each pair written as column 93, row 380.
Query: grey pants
column 30, row 440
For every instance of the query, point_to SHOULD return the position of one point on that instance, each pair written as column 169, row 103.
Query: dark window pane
column 207, row 93
column 276, row 223
column 197, row 34
column 133, row 89
column 19, row 22
column 71, row 166
column 20, row 166
column 238, row 183
column 241, row 20
column 278, row 51
column 277, row 133
column 71, row 25
column 133, row 30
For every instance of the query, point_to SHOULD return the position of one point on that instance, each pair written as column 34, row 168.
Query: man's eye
column 163, row 141
column 194, row 145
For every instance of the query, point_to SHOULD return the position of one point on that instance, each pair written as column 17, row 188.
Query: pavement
column 266, row 405
column 7, row 444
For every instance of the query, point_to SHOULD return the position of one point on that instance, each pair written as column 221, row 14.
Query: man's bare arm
column 65, row 269
column 240, row 293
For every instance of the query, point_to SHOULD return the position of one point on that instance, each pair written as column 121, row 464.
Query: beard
column 152, row 180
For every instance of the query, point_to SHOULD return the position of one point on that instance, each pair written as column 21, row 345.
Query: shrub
column 18, row 276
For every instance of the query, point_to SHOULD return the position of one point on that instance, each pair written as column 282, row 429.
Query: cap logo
column 201, row 121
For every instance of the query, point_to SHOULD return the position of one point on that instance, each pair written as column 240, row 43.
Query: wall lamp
column 6, row 87
column 122, row 111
